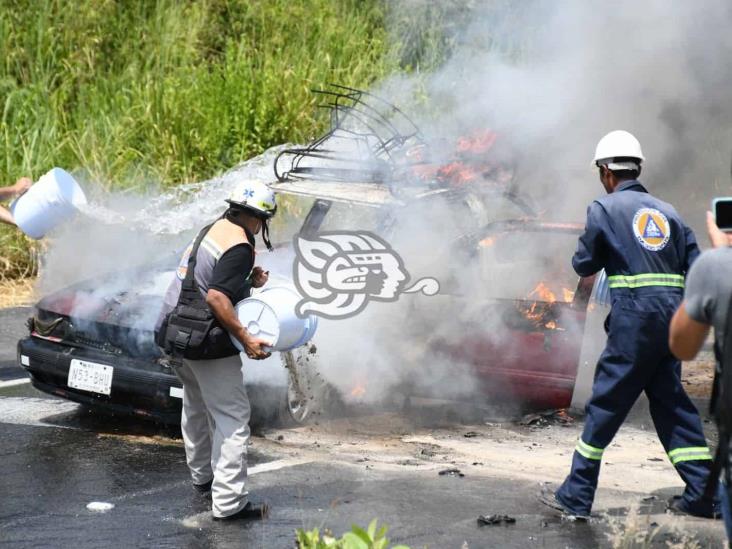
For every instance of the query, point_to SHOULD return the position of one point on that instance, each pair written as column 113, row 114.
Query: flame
column 457, row 172
column 477, row 143
column 359, row 390
column 543, row 293
column 540, row 312
column 487, row 242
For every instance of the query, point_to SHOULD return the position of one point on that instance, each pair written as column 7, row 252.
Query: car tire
column 308, row 394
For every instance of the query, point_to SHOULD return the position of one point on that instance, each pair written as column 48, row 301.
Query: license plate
column 90, row 376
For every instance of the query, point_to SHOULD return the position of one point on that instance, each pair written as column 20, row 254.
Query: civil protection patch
column 651, row 228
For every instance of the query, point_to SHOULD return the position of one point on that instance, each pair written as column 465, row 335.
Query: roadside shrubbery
column 137, row 92
column 357, row 538
column 168, row 91
column 172, row 90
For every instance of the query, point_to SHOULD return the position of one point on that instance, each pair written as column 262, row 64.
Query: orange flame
column 543, row 293
column 359, row 390
column 457, row 172
column 567, row 295
column 477, row 143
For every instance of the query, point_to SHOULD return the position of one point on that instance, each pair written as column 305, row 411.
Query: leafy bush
column 171, row 91
column 357, row 538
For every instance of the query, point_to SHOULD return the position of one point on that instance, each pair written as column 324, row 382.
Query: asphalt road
column 57, row 458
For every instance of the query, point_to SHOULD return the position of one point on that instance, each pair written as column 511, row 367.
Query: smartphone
column 722, row 208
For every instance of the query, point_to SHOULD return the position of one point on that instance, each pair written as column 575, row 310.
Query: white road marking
column 33, row 411
column 199, row 519
column 14, row 382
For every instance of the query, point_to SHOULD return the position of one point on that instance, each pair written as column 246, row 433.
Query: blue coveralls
column 646, row 250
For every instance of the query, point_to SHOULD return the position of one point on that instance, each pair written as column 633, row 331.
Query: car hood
column 131, row 300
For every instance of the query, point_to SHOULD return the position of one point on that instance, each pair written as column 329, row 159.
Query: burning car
column 97, row 347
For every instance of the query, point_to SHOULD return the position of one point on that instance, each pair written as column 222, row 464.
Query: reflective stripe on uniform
column 648, row 279
column 590, row 452
column 212, row 248
column 692, row 453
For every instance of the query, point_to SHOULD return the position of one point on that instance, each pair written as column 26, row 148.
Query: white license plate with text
column 90, row 376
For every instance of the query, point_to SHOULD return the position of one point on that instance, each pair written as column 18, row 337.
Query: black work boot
column 203, row 488
column 250, row 511
column 548, row 497
column 678, row 506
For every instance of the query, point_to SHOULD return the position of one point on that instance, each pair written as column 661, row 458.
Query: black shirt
column 230, row 275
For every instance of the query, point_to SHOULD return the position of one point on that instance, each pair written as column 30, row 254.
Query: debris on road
column 471, row 434
column 550, row 417
column 99, row 506
column 490, row 520
column 453, row 472
column 649, row 498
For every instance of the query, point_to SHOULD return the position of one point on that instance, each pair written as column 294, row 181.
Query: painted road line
column 14, row 382
column 199, row 519
column 33, row 411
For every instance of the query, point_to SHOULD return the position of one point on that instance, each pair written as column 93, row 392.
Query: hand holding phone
column 717, row 238
column 722, row 208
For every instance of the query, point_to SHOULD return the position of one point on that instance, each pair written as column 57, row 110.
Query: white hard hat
column 254, row 196
column 620, row 145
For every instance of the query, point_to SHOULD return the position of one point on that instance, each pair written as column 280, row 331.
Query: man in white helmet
column 216, row 272
column 646, row 250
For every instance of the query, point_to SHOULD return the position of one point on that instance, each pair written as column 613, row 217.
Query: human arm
column 6, row 216
column 224, row 312
column 589, row 257
column 706, row 289
column 229, row 285
column 20, row 186
column 687, row 335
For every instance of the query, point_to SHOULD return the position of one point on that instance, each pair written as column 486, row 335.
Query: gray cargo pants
column 215, row 425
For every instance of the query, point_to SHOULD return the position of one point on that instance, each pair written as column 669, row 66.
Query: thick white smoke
column 550, row 78
column 553, row 77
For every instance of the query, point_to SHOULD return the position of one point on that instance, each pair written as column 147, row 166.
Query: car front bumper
column 137, row 388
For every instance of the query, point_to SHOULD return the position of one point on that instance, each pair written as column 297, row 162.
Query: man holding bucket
column 11, row 191
column 198, row 317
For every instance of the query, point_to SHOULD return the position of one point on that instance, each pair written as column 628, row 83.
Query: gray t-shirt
column 709, row 288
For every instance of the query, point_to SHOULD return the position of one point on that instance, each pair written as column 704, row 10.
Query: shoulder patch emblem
column 651, row 229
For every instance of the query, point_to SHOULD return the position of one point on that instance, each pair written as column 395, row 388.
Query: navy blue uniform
column 646, row 251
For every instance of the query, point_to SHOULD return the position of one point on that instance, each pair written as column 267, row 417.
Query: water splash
column 187, row 206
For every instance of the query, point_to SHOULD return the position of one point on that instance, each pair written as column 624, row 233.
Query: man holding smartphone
column 646, row 251
column 707, row 303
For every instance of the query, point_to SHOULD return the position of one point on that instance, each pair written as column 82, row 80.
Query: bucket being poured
column 270, row 315
column 52, row 200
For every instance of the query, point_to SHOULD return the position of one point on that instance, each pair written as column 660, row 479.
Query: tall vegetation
column 176, row 90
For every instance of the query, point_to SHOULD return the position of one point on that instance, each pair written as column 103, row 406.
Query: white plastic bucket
column 270, row 314
column 52, row 200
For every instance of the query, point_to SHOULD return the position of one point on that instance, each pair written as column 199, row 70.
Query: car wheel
column 307, row 392
column 297, row 403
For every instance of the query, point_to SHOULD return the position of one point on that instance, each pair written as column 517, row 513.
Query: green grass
column 137, row 92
